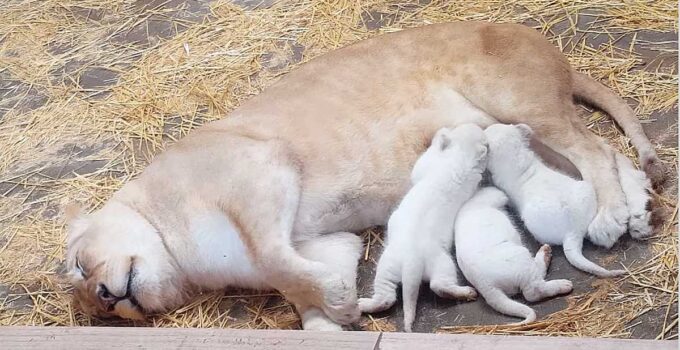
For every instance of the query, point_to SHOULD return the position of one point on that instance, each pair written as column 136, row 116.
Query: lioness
column 261, row 199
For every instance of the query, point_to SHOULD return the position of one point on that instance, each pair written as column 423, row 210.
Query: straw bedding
column 92, row 89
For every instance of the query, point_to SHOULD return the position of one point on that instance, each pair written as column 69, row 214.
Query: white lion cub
column 555, row 208
column 420, row 231
column 490, row 253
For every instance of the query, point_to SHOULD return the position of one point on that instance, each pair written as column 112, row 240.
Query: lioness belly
column 355, row 184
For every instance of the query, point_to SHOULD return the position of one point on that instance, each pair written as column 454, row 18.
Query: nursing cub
column 420, row 231
column 555, row 208
column 490, row 253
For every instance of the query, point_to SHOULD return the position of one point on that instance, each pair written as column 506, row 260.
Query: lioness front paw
column 639, row 224
column 340, row 301
column 316, row 320
column 609, row 224
column 638, row 191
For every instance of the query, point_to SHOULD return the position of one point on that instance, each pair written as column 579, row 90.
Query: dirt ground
column 94, row 75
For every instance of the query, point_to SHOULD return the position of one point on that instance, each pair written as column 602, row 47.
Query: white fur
column 555, row 208
column 224, row 260
column 420, row 231
column 637, row 188
column 490, row 253
column 155, row 274
column 339, row 251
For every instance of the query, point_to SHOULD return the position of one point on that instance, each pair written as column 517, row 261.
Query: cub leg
column 387, row 276
column 444, row 279
column 543, row 258
column 539, row 289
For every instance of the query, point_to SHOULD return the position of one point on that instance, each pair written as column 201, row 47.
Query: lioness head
column 119, row 264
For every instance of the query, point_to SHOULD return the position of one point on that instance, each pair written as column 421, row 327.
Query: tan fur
column 330, row 146
column 554, row 160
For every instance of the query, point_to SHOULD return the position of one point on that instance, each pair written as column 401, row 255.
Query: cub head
column 509, row 147
column 465, row 146
column 507, row 136
column 118, row 263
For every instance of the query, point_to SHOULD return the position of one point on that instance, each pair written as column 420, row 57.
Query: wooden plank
column 68, row 338
column 57, row 338
column 405, row 341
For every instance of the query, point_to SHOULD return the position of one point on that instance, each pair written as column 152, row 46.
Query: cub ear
column 445, row 141
column 441, row 139
column 482, row 151
column 525, row 130
column 76, row 220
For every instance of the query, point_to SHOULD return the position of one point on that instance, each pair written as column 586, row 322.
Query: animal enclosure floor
column 90, row 90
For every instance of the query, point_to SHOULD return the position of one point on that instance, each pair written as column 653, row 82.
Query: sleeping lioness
column 265, row 197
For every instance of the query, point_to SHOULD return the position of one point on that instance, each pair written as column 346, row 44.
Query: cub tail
column 411, row 278
column 503, row 304
column 573, row 250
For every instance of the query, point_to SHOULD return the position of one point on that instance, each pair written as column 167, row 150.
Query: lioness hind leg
column 541, row 96
column 341, row 252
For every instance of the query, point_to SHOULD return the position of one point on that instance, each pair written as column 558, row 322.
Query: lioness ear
column 525, row 130
column 76, row 221
column 72, row 211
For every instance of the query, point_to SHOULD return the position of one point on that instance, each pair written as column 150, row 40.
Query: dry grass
column 204, row 69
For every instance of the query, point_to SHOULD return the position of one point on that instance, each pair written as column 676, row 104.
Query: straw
column 65, row 139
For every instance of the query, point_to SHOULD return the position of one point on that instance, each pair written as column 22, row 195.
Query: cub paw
column 370, row 305
column 457, row 292
column 546, row 250
column 563, row 286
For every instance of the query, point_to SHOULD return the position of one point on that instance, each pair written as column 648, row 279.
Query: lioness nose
column 107, row 299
